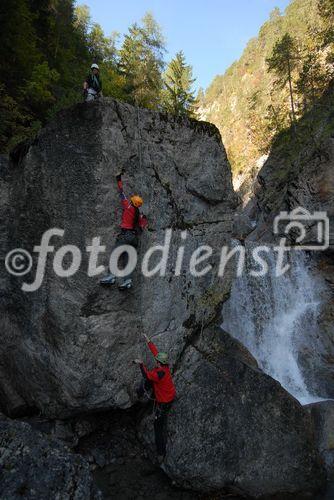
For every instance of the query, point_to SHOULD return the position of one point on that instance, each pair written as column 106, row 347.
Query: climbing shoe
column 108, row 280
column 126, row 284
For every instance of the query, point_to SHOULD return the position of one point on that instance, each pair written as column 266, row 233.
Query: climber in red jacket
column 160, row 380
column 132, row 222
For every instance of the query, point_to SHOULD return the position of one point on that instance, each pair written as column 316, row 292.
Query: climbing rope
column 141, row 348
column 139, row 140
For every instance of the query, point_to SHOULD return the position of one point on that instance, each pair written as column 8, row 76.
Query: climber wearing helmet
column 92, row 87
column 160, row 381
column 132, row 221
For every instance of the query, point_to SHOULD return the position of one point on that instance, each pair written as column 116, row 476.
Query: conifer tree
column 141, row 62
column 283, row 62
column 311, row 80
column 178, row 97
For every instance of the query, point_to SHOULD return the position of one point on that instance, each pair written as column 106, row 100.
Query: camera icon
column 303, row 226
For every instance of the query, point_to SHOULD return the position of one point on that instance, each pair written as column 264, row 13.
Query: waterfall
column 275, row 318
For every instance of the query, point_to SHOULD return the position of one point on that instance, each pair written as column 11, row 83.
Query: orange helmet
column 136, row 200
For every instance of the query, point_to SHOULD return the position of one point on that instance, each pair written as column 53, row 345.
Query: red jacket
column 129, row 211
column 161, row 378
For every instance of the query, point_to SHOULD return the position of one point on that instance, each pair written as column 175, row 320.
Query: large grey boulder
column 233, row 428
column 34, row 466
column 71, row 342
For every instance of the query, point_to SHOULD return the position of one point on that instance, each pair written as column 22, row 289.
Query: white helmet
column 94, row 66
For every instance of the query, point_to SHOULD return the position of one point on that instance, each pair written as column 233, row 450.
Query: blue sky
column 212, row 33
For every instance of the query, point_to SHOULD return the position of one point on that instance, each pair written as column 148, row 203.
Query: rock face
column 33, row 466
column 7, row 392
column 4, row 214
column 286, row 183
column 323, row 416
column 71, row 342
column 233, row 428
column 67, row 345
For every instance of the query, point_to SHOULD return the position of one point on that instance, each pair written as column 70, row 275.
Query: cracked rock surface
column 36, row 467
column 247, row 435
column 67, row 348
column 72, row 341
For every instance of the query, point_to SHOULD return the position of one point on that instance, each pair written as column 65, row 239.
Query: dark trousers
column 160, row 427
column 145, row 387
column 126, row 237
column 160, row 417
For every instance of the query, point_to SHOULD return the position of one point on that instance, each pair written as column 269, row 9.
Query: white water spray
column 272, row 316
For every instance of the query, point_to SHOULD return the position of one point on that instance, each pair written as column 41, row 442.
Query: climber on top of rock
column 132, row 223
column 92, row 87
column 159, row 380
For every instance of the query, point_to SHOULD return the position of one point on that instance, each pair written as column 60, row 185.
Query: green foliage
column 37, row 91
column 177, row 96
column 283, row 61
column 14, row 124
column 102, row 48
column 311, row 81
column 252, row 102
column 42, row 55
column 141, row 62
column 82, row 20
column 326, row 11
column 46, row 50
column 114, row 83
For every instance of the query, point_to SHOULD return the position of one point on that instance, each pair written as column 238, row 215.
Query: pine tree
column 42, row 57
column 37, row 92
column 101, row 48
column 141, row 63
column 14, row 121
column 82, row 20
column 18, row 44
column 178, row 97
column 283, row 62
column 311, row 80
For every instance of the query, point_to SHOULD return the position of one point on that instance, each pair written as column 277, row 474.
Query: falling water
column 274, row 317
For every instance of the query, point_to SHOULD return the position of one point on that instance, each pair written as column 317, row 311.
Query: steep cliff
column 72, row 342
column 67, row 345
